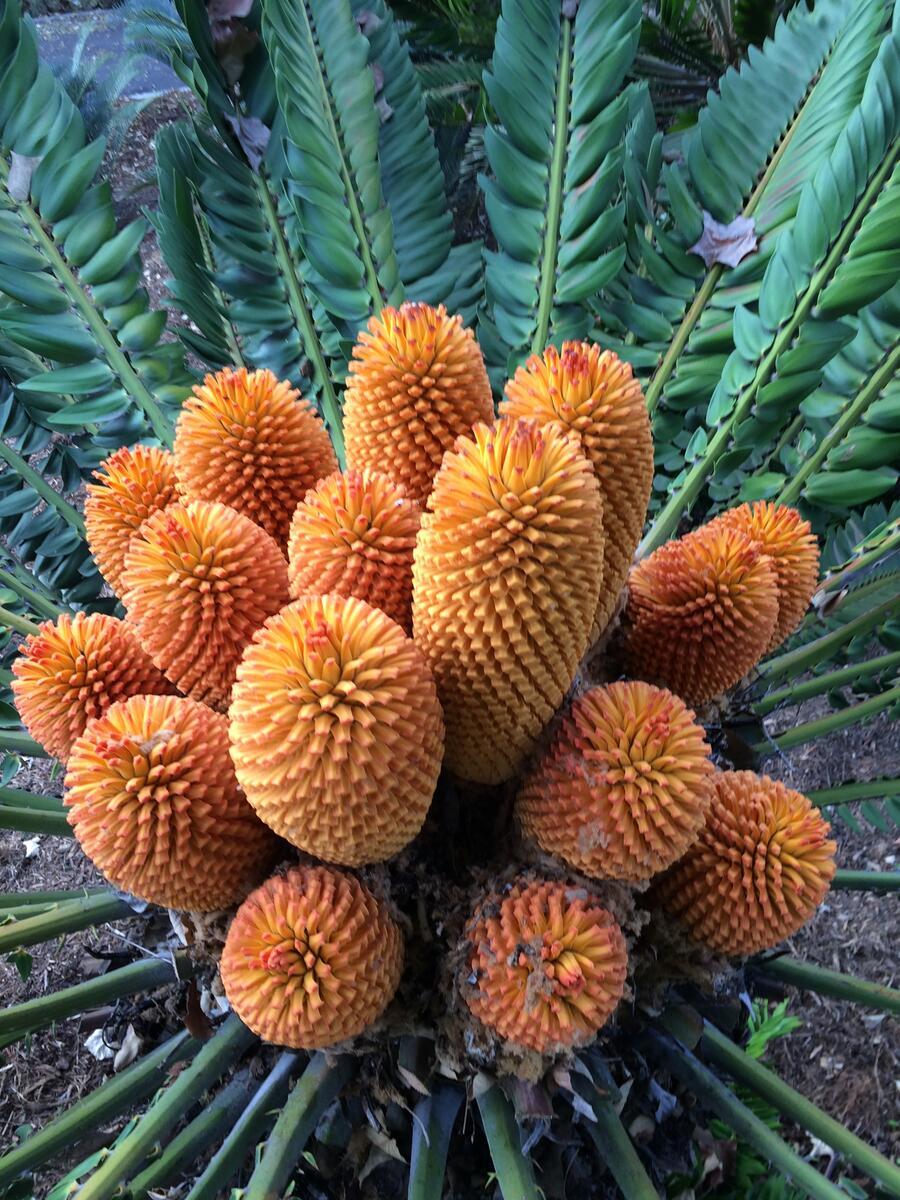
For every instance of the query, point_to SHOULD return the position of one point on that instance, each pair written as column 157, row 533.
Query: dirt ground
column 846, row 1059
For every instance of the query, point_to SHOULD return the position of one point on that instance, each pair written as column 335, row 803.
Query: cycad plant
column 374, row 664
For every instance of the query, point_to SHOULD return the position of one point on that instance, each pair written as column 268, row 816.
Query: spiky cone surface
column 72, row 670
column 354, row 535
column 625, row 787
column 506, row 575
column 417, row 381
column 199, row 580
column 782, row 533
column 312, row 958
column 700, row 612
column 761, row 867
column 548, row 965
column 336, row 730
column 252, row 442
column 595, row 393
column 130, row 486
column 152, row 796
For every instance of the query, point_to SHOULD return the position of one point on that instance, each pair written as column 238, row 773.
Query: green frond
column 331, row 134
column 142, row 975
column 411, row 177
column 230, row 1041
column 110, row 1100
column 765, row 363
column 790, row 970
column 186, row 244
column 72, row 282
column 721, row 1051
column 555, row 157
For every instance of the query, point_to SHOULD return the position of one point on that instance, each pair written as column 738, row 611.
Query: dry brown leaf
column 725, row 244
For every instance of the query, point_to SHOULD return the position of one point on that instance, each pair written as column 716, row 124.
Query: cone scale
column 200, row 579
column 312, row 958
column 152, row 797
column 72, row 670
column 336, row 730
column 417, row 381
column 759, row 870
column 625, row 787
column 249, row 441
column 354, row 535
column 130, row 486
column 594, row 393
column 701, row 612
column 547, row 966
column 506, row 575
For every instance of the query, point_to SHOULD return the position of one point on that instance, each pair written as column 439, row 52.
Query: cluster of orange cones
column 304, row 648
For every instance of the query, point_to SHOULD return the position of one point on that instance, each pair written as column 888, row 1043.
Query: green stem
column 189, row 1146
column 36, row 481
column 797, row 693
column 19, row 624
column 27, row 820
column 615, row 1148
column 848, row 419
column 238, row 1144
column 810, row 730
column 224, row 1048
column 434, row 1117
column 710, row 283
column 795, row 662
column 105, row 1104
column 765, row 1083
column 719, row 1099
column 21, row 743
column 141, row 976
column 847, row 793
column 671, row 513
column 16, row 798
column 829, row 983
column 554, row 192
column 866, row 881
column 319, row 1084
column 36, row 599
column 67, row 917
column 19, row 899
column 331, row 409
column 115, row 356
column 515, row 1173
